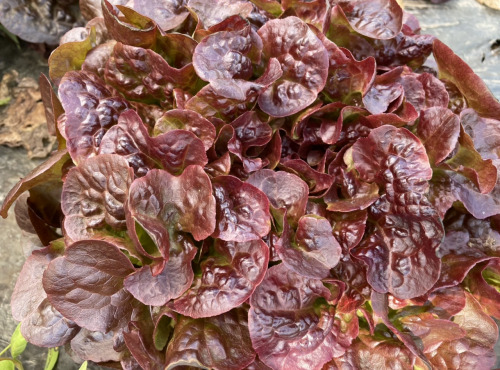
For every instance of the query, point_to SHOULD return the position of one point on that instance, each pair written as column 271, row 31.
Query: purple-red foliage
column 263, row 184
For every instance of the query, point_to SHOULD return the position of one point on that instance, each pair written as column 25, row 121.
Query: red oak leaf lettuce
column 304, row 62
column 242, row 210
column 163, row 204
column 483, row 284
column 406, row 266
column 438, row 129
column 90, row 109
column 289, row 325
column 145, row 76
column 94, row 194
column 173, row 150
column 249, row 133
column 86, row 266
column 313, row 251
column 261, row 184
column 184, row 119
column 219, row 342
column 228, row 278
column 381, row 19
column 284, row 190
column 456, row 71
column 476, row 347
column 41, row 323
column 156, row 289
column 234, row 48
column 212, row 12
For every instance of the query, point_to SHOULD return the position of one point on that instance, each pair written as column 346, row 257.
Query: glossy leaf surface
column 173, row 150
column 91, row 109
column 219, row 342
column 228, row 278
column 160, row 201
column 381, row 19
column 314, row 250
column 455, row 70
column 401, row 252
column 304, row 67
column 93, row 196
column 438, row 129
column 242, row 210
column 173, row 280
column 286, row 326
column 284, row 190
column 92, row 272
column 260, row 184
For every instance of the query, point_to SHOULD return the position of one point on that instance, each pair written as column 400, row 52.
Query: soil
column 24, row 66
column 470, row 29
column 22, row 115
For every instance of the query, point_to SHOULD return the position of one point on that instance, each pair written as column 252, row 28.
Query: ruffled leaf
column 173, row 150
column 467, row 242
column 290, row 323
column 357, row 289
column 304, row 61
column 473, row 350
column 91, row 109
column 348, row 228
column 318, row 182
column 228, row 99
column 228, row 278
column 380, row 304
column 41, row 323
column 348, row 80
column 143, row 75
column 161, row 203
column 484, row 283
column 133, row 29
column 242, row 210
column 211, row 12
column 140, row 342
column 167, row 14
column 184, row 119
column 424, row 91
column 469, row 163
column 220, row 342
column 386, row 94
column 393, row 157
column 401, row 251
column 227, row 55
column 284, row 190
column 381, row 19
column 404, row 47
column 316, row 12
column 94, row 194
column 313, row 251
column 485, row 133
column 173, row 280
column 249, row 133
column 349, row 193
column 438, row 129
column 70, row 56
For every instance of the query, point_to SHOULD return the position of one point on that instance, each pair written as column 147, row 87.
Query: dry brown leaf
column 22, row 120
